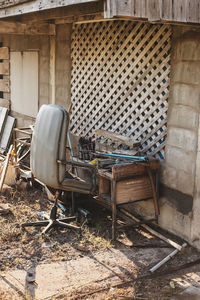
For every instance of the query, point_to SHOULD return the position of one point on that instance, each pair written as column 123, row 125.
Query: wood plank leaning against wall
column 186, row 11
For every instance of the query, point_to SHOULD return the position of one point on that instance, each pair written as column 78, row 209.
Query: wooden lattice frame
column 120, row 81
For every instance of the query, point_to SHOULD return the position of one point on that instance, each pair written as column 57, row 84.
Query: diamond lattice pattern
column 120, row 81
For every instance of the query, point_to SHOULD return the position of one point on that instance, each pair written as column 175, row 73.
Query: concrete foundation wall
column 178, row 175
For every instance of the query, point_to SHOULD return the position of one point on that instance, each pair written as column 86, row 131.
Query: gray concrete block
column 180, row 159
column 183, row 116
column 187, row 72
column 168, row 176
column 185, row 182
column 188, row 50
column 182, row 138
column 185, row 94
column 177, row 179
column 174, row 221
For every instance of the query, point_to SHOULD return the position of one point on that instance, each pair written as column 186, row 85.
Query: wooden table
column 128, row 183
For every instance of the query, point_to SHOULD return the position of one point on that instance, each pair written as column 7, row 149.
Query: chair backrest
column 49, row 144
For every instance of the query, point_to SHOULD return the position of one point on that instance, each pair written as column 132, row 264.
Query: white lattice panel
column 120, row 81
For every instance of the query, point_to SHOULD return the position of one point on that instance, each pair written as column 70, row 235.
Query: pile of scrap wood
column 115, row 143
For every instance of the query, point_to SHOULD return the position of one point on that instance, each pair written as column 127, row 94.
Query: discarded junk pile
column 113, row 177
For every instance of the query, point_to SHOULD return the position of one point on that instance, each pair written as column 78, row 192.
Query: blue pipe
column 143, row 158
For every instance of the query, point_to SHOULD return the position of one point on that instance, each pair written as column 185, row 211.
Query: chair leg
column 53, row 221
column 48, row 227
column 64, row 225
column 37, row 223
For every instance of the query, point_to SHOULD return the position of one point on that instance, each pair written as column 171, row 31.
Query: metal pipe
column 167, row 258
column 143, row 158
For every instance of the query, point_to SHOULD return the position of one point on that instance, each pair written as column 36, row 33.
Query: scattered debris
column 5, row 209
column 117, row 137
column 47, row 245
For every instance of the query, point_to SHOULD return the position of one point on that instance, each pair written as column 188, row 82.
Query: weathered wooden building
column 131, row 66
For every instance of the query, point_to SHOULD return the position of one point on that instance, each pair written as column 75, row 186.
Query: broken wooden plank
column 151, row 230
column 4, row 85
column 4, row 68
column 3, row 116
column 7, row 134
column 5, row 166
column 4, row 53
column 117, row 137
column 105, row 147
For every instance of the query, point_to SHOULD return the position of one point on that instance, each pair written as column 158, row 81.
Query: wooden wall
column 6, row 3
column 187, row 11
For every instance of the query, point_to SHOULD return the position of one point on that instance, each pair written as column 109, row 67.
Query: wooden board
column 104, row 185
column 4, row 68
column 125, row 170
column 133, row 189
column 3, row 117
column 4, row 53
column 21, row 29
column 7, row 134
column 117, row 137
column 38, row 6
column 4, row 85
column 7, row 3
column 155, row 10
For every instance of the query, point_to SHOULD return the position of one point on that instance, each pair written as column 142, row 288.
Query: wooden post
column 114, row 209
column 52, row 69
column 155, row 200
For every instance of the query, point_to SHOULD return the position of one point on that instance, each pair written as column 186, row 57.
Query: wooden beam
column 173, row 11
column 60, row 13
column 20, row 28
column 4, row 68
column 4, row 85
column 98, row 17
column 36, row 6
column 52, row 69
column 12, row 3
column 4, row 53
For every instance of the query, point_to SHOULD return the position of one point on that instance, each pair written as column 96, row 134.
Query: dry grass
column 19, row 247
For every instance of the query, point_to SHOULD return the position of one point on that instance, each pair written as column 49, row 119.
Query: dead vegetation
column 19, row 249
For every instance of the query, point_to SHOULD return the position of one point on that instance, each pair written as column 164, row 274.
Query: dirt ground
column 124, row 264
